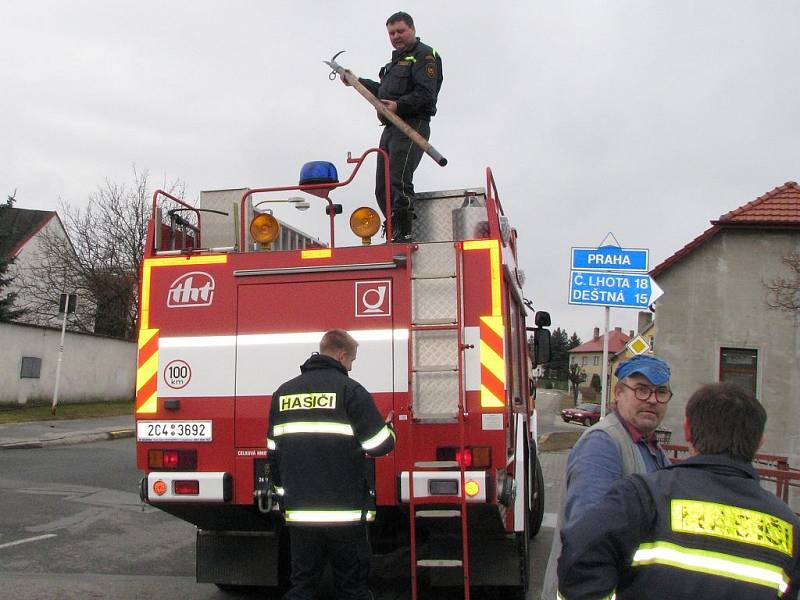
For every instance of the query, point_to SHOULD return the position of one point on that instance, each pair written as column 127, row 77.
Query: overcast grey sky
column 641, row 117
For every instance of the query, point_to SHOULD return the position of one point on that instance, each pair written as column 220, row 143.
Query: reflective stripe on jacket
column 703, row 528
column 321, row 424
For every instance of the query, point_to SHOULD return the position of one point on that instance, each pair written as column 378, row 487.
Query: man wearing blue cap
column 621, row 444
column 702, row 528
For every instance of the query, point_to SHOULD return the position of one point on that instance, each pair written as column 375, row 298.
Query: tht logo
column 374, row 298
column 192, row 289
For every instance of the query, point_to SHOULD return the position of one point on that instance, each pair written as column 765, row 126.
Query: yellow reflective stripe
column 489, row 399
column 300, row 427
column 150, row 405
column 271, row 444
column 712, row 563
column 411, row 58
column 697, row 517
column 492, row 361
column 377, row 439
column 326, row 516
column 320, row 253
column 494, row 269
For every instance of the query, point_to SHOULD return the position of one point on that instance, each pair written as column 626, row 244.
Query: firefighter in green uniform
column 322, row 426
column 409, row 86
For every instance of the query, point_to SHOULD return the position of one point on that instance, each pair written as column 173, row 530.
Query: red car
column 588, row 414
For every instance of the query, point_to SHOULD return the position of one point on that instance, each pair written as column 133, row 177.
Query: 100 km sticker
column 177, row 374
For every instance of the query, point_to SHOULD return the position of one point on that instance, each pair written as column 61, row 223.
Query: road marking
column 549, row 520
column 26, row 540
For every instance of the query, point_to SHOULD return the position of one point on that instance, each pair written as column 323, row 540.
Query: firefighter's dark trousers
column 404, row 158
column 345, row 546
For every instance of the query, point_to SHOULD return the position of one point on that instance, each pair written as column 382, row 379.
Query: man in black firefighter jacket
column 322, row 424
column 701, row 528
column 409, row 86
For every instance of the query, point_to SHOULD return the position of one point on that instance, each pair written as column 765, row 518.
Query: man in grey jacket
column 621, row 444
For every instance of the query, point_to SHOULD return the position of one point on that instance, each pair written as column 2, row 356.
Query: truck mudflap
column 189, row 486
column 443, row 484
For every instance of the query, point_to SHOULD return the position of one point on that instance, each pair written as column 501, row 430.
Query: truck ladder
column 436, row 354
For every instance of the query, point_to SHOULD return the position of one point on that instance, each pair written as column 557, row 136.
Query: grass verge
column 80, row 410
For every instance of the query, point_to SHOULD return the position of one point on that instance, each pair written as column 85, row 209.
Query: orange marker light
column 471, row 488
column 160, row 488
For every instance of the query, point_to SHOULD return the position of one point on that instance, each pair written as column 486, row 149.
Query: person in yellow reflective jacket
column 701, row 528
column 322, row 427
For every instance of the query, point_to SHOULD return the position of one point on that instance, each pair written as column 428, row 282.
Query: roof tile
column 779, row 207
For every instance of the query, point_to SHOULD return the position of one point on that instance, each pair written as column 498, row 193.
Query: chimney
column 596, row 333
column 618, row 329
column 644, row 319
column 631, row 333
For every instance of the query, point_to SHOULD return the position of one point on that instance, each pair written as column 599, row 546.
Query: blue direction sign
column 604, row 288
column 610, row 258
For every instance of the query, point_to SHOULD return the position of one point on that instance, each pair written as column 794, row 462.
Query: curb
column 77, row 438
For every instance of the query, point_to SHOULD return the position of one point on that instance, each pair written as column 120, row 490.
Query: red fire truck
column 232, row 304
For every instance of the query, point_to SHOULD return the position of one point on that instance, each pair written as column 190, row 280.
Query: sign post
column 68, row 304
column 611, row 276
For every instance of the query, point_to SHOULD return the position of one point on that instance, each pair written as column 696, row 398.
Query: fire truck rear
column 232, row 305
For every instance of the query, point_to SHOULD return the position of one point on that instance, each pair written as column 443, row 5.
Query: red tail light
column 185, row 460
column 189, row 487
column 478, row 456
column 464, row 457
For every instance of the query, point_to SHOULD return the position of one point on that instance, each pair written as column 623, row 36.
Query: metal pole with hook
column 411, row 133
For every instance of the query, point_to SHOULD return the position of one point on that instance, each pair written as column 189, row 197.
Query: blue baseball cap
column 655, row 369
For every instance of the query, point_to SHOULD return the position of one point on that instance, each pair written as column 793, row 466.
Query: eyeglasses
column 643, row 392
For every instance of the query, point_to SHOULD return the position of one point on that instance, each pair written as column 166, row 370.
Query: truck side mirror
column 541, row 346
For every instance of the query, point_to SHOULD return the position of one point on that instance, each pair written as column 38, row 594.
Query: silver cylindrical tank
column 470, row 220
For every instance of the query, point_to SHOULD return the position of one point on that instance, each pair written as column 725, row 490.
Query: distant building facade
column 714, row 319
column 589, row 355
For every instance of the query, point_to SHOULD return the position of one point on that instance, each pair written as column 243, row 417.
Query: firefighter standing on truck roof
column 409, row 86
column 321, row 424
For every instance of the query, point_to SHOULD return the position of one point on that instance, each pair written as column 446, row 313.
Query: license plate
column 173, row 431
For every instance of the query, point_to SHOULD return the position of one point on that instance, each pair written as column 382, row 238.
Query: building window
column 739, row 365
column 583, row 360
column 595, row 360
column 31, row 367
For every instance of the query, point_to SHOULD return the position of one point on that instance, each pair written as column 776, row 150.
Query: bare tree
column 100, row 261
column 784, row 292
column 576, row 376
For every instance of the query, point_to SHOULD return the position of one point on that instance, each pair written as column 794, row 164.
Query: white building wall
column 92, row 367
column 29, row 258
column 715, row 297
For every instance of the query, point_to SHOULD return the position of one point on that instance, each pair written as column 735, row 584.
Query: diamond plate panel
column 434, row 260
column 435, row 349
column 434, row 222
column 435, row 395
column 433, row 300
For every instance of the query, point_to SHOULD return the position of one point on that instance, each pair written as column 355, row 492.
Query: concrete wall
column 92, row 367
column 715, row 297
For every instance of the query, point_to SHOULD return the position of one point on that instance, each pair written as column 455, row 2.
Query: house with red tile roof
column 715, row 322
column 589, row 355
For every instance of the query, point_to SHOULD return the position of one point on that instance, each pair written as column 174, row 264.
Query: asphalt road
column 72, row 526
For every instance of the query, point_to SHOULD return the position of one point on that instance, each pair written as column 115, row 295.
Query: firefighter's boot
column 401, row 225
